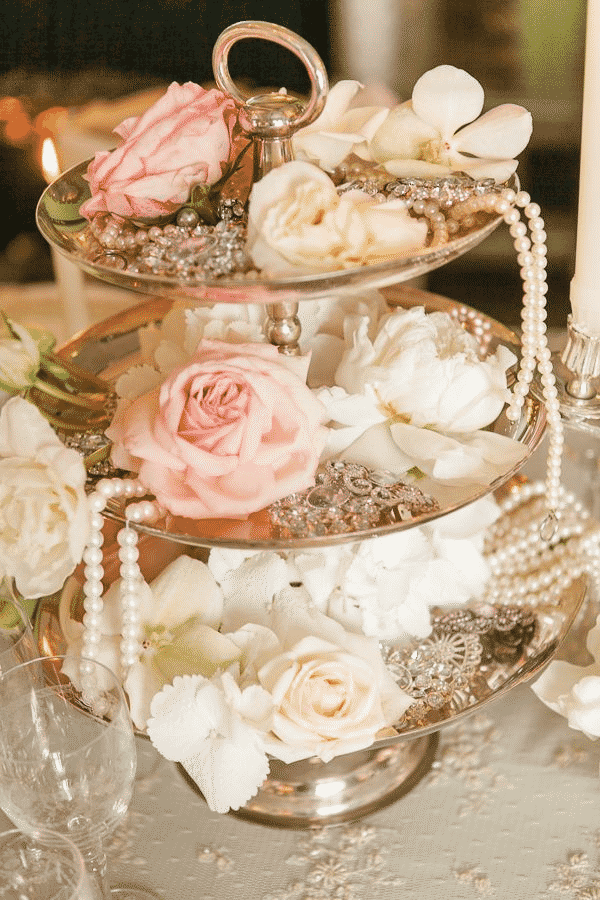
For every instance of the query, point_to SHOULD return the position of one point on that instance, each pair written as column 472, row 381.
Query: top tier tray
column 61, row 224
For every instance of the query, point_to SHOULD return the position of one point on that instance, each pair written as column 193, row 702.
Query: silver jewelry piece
column 348, row 497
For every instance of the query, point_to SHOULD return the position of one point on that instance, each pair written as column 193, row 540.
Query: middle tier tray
column 111, row 347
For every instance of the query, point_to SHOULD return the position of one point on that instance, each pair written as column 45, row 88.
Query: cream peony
column 419, row 394
column 426, row 370
column 43, row 506
column 297, row 222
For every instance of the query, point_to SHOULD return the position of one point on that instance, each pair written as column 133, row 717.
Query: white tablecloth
column 509, row 810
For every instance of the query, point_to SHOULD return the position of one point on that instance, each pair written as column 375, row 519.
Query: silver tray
column 59, row 221
column 111, row 347
column 475, row 655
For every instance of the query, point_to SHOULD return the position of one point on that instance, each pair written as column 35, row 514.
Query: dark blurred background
column 57, row 54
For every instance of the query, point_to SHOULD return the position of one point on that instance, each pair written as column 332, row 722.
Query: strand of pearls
column 530, row 244
column 132, row 580
column 93, row 604
column 528, row 568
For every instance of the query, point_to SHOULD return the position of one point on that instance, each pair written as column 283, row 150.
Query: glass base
column 311, row 793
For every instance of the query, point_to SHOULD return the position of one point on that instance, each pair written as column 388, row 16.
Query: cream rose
column 297, row 222
column 43, row 506
column 328, row 701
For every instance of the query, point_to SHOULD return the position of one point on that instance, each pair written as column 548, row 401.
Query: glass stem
column 97, row 868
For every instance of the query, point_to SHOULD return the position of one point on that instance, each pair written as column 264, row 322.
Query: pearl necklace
column 131, row 576
column 526, row 567
column 532, row 257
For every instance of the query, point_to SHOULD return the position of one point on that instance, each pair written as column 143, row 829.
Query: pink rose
column 226, row 434
column 185, row 138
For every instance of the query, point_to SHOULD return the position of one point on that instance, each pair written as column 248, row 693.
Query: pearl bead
column 127, row 537
column 105, row 488
column 96, row 502
column 129, row 554
column 92, row 555
column 93, row 573
column 96, row 521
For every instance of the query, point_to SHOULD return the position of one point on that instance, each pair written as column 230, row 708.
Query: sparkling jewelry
column 443, row 672
column 348, row 497
column 440, row 672
column 188, row 250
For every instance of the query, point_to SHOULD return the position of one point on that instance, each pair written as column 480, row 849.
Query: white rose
column 297, row 222
column 43, row 506
column 328, row 701
column 425, row 369
column 19, row 359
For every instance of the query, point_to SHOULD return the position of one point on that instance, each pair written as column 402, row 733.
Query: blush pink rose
column 185, row 138
column 226, row 434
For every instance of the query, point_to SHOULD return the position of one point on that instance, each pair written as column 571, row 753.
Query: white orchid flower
column 425, row 136
column 341, row 128
column 178, row 615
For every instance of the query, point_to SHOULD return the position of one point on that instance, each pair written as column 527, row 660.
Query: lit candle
column 70, row 282
column 585, row 286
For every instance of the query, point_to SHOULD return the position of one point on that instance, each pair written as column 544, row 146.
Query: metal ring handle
column 279, row 35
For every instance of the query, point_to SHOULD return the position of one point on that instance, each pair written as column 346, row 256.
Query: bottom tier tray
column 475, row 654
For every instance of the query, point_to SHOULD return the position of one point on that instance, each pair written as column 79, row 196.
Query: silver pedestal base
column 311, row 793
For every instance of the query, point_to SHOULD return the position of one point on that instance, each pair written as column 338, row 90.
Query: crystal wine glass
column 17, row 643
column 67, row 756
column 32, row 870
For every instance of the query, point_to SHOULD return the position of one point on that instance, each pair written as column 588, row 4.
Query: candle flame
column 49, row 160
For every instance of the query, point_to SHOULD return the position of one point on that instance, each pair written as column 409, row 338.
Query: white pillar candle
column 70, row 286
column 585, row 286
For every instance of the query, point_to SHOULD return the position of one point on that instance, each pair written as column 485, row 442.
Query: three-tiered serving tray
column 475, row 653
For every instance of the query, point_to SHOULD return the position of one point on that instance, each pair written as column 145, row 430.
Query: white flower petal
column 401, row 135
column 593, row 640
column 501, row 133
column 416, row 168
column 186, row 589
column 183, row 715
column 229, row 772
column 477, row 458
column 141, row 684
column 327, row 150
column 447, row 98
column 499, row 170
column 573, row 692
column 377, row 449
column 338, row 102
